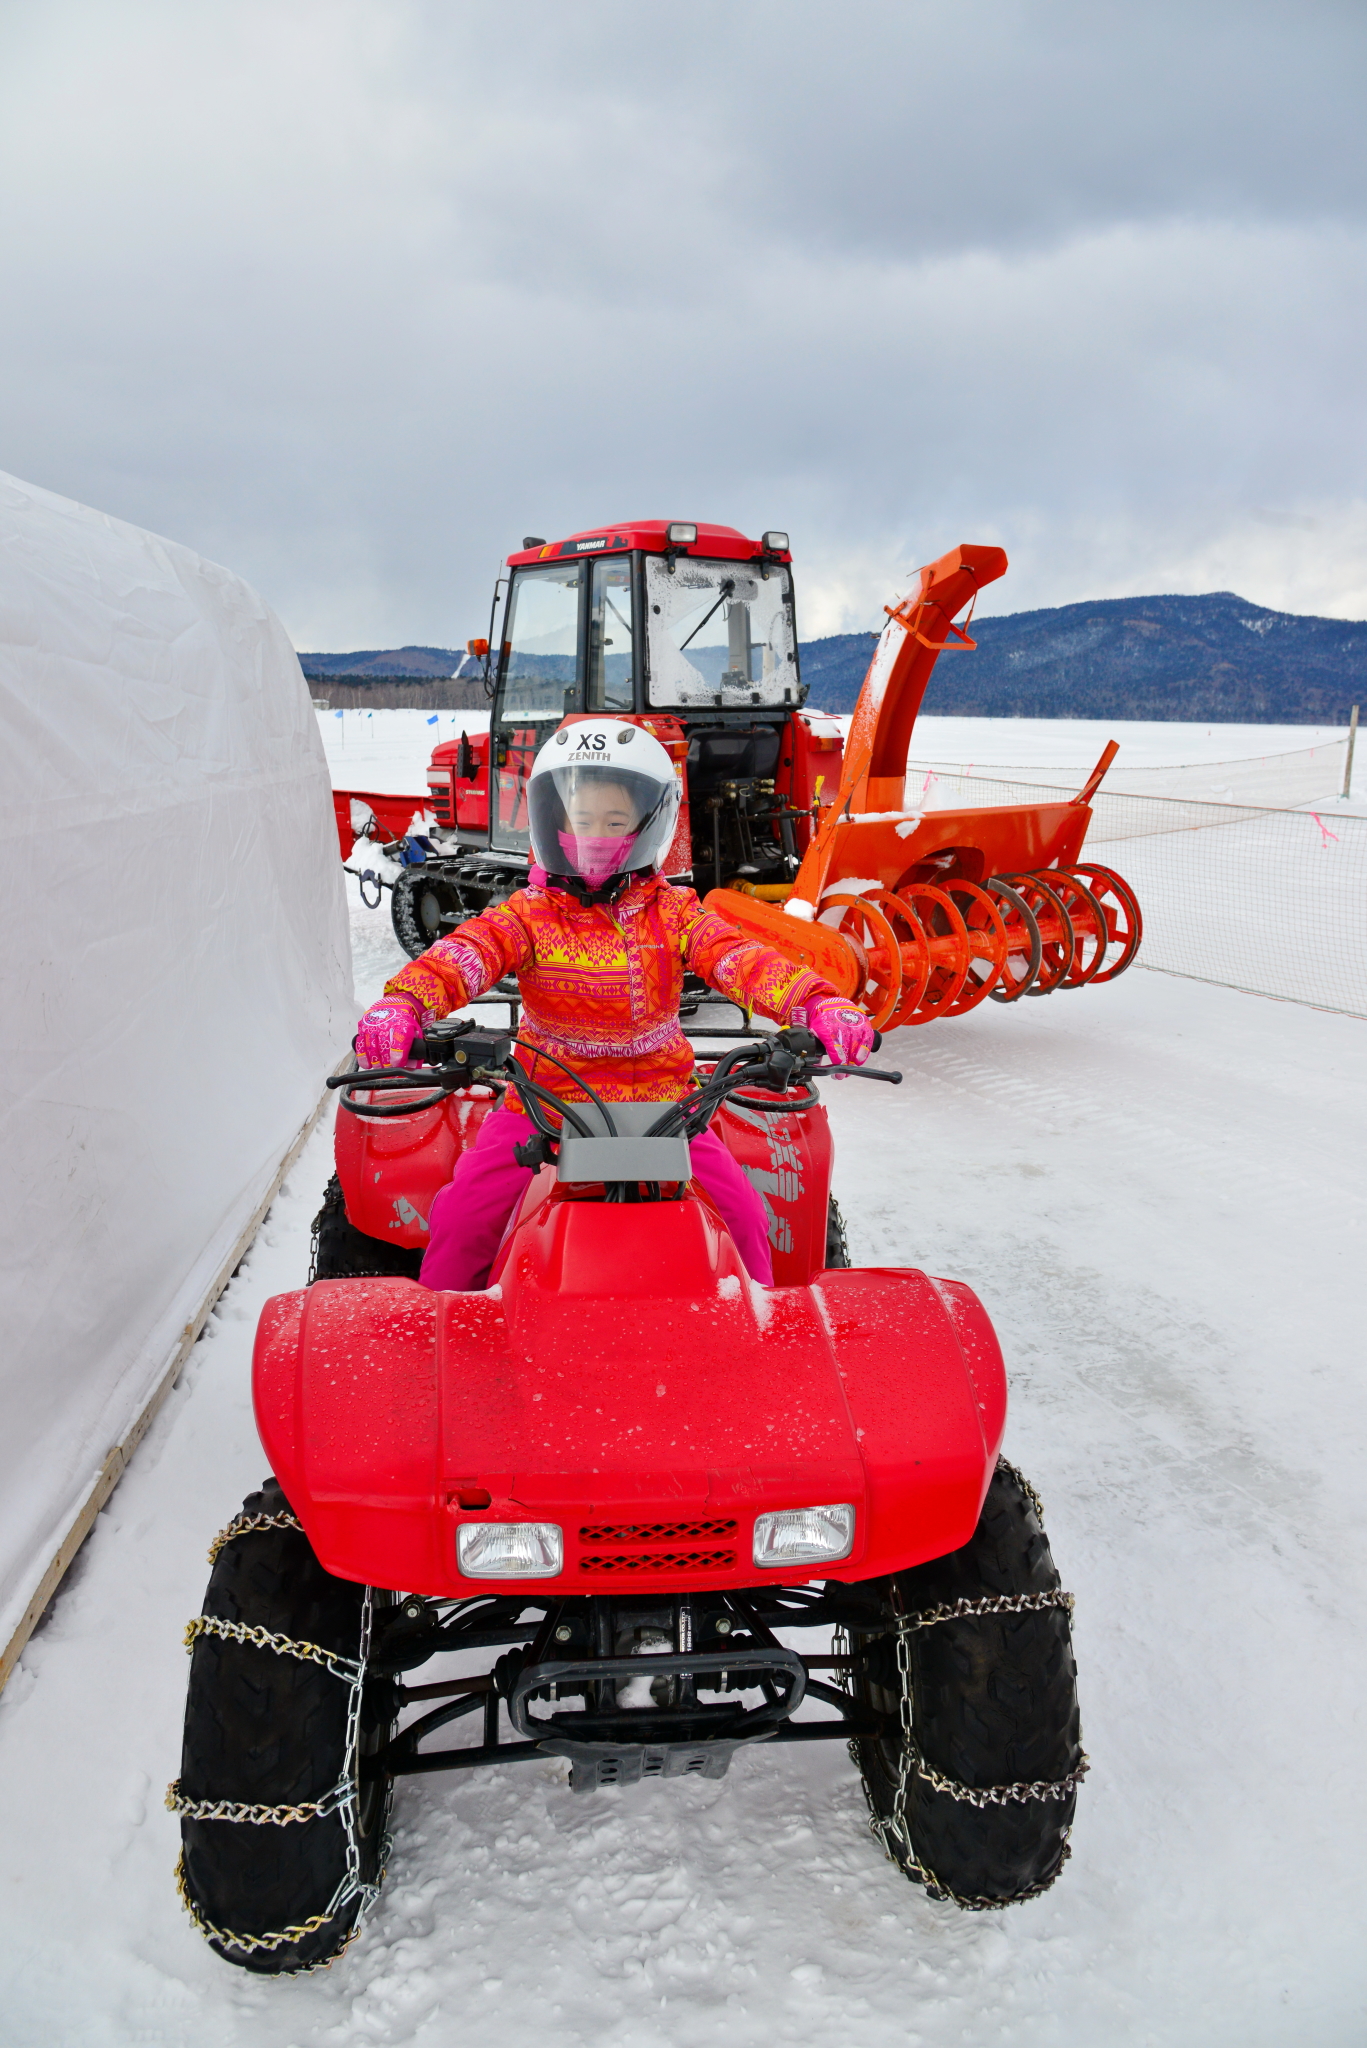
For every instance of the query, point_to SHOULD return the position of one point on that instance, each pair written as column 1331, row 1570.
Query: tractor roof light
column 510, row 1550
column 803, row 1536
column 774, row 543
column 681, row 534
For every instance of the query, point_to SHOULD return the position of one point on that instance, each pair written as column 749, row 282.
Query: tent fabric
column 175, row 980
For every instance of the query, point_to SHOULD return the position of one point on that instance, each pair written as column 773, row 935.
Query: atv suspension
column 573, row 1686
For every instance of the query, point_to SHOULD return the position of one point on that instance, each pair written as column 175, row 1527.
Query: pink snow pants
column 471, row 1213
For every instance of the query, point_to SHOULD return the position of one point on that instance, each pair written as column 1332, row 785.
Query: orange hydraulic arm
column 880, row 733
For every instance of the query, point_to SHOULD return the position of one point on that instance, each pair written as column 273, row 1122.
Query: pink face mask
column 596, row 858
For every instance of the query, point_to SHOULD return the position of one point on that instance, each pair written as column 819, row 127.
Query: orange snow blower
column 923, row 914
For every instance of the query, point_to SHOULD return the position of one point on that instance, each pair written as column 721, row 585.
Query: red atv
column 626, row 1478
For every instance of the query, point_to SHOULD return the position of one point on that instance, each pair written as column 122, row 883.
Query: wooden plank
column 117, row 1460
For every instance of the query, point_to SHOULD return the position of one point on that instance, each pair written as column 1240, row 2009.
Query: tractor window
column 720, row 634
column 539, row 684
column 541, row 645
column 611, row 639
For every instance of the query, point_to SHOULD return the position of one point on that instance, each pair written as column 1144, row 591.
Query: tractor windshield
column 721, row 633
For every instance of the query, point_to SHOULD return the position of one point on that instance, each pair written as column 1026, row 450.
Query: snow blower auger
column 619, row 1482
column 919, row 915
column 690, row 631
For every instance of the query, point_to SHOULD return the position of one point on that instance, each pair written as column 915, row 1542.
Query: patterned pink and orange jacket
column 601, row 983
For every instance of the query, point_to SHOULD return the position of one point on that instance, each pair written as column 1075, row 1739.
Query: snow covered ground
column 1158, row 1189
column 389, row 750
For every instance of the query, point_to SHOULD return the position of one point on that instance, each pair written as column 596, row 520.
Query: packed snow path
column 1158, row 1189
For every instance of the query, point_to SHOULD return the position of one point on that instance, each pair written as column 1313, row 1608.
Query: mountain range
column 1216, row 658
column 398, row 677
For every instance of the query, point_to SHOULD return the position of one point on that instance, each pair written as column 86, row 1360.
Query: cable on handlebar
column 783, row 1069
column 527, row 1088
column 597, row 1101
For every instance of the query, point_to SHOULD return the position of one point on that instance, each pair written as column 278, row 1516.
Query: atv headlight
column 510, row 1550
column 804, row 1536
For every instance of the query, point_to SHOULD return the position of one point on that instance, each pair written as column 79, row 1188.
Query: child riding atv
column 599, row 942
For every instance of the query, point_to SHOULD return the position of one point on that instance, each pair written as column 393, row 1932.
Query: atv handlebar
column 457, row 1054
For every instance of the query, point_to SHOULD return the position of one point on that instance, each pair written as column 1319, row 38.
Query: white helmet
column 602, row 804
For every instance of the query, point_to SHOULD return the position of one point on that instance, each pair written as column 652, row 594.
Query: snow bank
column 176, row 973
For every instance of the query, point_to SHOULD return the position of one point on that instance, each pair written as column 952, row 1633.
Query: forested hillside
column 1215, row 658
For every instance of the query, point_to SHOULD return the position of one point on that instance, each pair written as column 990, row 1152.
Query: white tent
column 174, row 984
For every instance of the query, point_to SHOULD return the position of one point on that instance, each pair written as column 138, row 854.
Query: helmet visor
column 596, row 821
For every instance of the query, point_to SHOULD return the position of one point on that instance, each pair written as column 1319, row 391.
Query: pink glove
column 845, row 1032
column 387, row 1031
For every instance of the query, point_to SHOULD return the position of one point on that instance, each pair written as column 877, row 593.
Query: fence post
column 1352, row 742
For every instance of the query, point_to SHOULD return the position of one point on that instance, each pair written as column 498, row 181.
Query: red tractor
column 646, row 1512
column 690, row 630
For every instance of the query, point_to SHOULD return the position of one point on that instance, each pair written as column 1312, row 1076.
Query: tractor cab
column 687, row 629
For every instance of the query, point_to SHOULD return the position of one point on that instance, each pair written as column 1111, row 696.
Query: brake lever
column 868, row 1073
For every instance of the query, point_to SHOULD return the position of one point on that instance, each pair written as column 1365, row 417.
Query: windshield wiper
column 728, row 589
column 625, row 621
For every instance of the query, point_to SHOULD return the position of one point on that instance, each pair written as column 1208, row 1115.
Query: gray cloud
column 351, row 296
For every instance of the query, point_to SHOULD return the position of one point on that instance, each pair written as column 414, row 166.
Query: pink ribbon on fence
column 1325, row 834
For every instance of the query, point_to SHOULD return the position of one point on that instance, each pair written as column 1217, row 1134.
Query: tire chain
column 251, row 1944
column 258, row 1816
column 1011, row 1471
column 341, row 1799
column 243, row 1525
column 888, row 1830
column 348, row 1669
column 990, row 1603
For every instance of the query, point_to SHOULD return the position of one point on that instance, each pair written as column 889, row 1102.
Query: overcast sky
column 352, row 296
